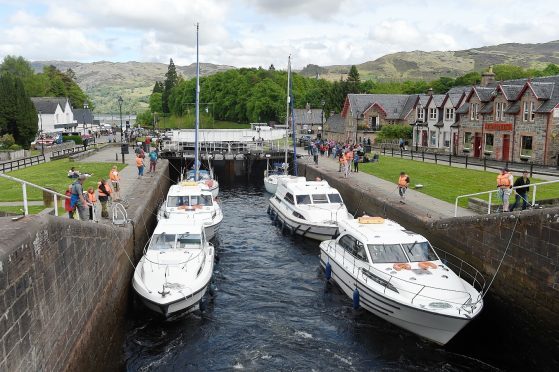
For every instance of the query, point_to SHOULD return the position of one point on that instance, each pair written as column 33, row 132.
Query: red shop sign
column 498, row 126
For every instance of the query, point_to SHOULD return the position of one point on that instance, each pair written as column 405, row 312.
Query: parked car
column 304, row 140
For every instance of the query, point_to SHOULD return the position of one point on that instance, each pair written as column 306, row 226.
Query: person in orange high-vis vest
column 92, row 201
column 504, row 184
column 343, row 164
column 403, row 183
column 104, row 191
column 349, row 157
column 114, row 176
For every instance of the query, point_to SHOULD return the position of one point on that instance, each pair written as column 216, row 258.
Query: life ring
column 427, row 265
column 370, row 220
column 401, row 266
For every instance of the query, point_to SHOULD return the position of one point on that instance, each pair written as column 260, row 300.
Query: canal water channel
column 273, row 310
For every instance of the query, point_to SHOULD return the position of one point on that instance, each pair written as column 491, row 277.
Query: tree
column 169, row 84
column 272, row 68
column 158, row 87
column 509, row 72
column 156, row 103
column 17, row 67
column 550, row 70
column 471, row 78
column 18, row 116
column 353, row 76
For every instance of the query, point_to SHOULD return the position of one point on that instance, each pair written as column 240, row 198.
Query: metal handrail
column 534, row 185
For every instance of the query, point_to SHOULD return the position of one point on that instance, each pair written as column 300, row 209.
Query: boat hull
column 188, row 304
column 439, row 328
column 318, row 232
column 270, row 186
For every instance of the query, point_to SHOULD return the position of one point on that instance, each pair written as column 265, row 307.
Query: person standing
column 77, row 200
column 523, row 184
column 504, row 184
column 92, row 201
column 356, row 162
column 343, row 162
column 114, row 176
column 67, row 202
column 140, row 165
column 401, row 144
column 349, row 157
column 104, row 191
column 403, row 183
column 152, row 160
column 315, row 153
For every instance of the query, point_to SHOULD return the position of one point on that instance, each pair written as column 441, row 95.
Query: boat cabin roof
column 378, row 230
column 187, row 188
column 178, row 226
column 298, row 187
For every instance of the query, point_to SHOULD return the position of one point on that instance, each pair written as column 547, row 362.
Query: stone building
column 309, row 120
column 334, row 128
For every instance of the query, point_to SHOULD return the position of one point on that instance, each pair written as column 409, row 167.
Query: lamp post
column 41, row 137
column 322, row 120
column 120, row 100
column 85, row 107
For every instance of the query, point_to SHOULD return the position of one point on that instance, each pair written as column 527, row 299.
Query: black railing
column 59, row 154
column 21, row 163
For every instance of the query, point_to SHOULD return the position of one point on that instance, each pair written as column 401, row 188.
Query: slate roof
column 304, row 116
column 514, row 108
column 487, row 108
column 410, row 105
column 511, row 91
column 392, row 104
column 81, row 115
column 543, row 90
column 484, row 93
column 47, row 105
column 455, row 98
column 463, row 109
column 438, row 99
column 423, row 99
column 335, row 123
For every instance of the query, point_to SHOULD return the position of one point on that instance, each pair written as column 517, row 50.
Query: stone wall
column 64, row 286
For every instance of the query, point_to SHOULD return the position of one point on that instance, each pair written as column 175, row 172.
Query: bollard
column 485, row 163
column 450, row 160
column 392, row 151
column 401, row 153
column 466, row 161
column 411, row 154
column 116, row 156
column 435, row 158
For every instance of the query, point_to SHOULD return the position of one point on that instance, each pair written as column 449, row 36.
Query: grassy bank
column 52, row 175
column 444, row 182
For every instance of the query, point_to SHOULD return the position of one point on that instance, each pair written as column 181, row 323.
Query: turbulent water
column 273, row 310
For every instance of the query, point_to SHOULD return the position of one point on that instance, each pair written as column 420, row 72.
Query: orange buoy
column 401, row 266
column 427, row 265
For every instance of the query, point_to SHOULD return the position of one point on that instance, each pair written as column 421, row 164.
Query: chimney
column 430, row 91
column 488, row 77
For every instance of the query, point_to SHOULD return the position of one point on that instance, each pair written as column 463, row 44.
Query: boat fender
column 268, row 210
column 202, row 304
column 356, row 299
column 328, row 271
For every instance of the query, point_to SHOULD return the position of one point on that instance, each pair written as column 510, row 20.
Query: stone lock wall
column 64, row 286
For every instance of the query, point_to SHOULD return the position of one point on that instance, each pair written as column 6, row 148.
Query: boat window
column 420, row 251
column 335, row 198
column 289, row 198
column 386, row 253
column 201, row 200
column 304, row 199
column 161, row 242
column 347, row 242
column 319, row 199
column 184, row 240
column 177, row 201
column 360, row 251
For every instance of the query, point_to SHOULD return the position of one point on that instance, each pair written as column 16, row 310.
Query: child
column 67, row 202
column 91, row 200
column 115, row 181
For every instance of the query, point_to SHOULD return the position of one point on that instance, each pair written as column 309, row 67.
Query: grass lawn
column 444, row 182
column 33, row 209
column 52, row 175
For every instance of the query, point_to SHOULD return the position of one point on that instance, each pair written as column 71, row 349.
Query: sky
column 252, row 33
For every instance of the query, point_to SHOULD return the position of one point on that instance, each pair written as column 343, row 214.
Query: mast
column 287, row 113
column 197, row 123
column 293, row 126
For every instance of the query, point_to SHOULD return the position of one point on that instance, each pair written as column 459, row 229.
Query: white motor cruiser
column 191, row 201
column 272, row 175
column 176, row 269
column 205, row 178
column 311, row 209
column 397, row 275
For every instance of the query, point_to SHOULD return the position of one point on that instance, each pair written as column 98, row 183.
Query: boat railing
column 201, row 254
column 465, row 272
column 390, row 282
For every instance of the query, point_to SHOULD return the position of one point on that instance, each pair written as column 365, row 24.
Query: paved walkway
column 425, row 205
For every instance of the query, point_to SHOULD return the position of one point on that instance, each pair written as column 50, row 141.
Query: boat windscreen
column 386, row 253
column 304, row 199
column 184, row 240
column 177, row 201
column 160, row 242
column 335, row 198
column 319, row 199
column 205, row 200
column 420, row 251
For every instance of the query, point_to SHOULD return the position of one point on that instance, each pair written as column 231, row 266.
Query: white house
column 435, row 116
column 54, row 113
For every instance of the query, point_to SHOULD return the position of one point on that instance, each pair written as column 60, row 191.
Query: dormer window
column 420, row 113
column 500, row 111
column 474, row 111
column 449, row 113
column 528, row 113
column 433, row 114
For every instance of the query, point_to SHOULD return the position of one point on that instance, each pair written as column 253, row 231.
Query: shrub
column 14, row 147
column 389, row 132
column 6, row 141
column 77, row 139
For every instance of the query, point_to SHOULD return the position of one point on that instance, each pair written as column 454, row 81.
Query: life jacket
column 139, row 162
column 403, row 181
column 503, row 180
column 113, row 175
column 91, row 197
column 343, row 160
column 105, row 187
column 349, row 155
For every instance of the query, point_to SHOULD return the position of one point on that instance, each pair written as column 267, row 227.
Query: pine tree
column 170, row 82
column 18, row 116
column 158, row 87
column 353, row 76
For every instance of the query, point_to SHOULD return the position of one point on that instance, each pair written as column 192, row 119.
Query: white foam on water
column 238, row 365
column 303, row 334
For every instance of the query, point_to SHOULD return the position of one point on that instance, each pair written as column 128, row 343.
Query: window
column 360, row 253
column 449, row 113
column 526, row 146
column 201, row 200
column 489, row 142
column 184, row 240
column 446, row 139
column 162, row 241
column 474, row 111
column 433, row 136
column 289, row 198
column 304, row 199
column 500, row 111
column 335, row 198
column 420, row 251
column 433, row 113
column 525, row 111
column 420, row 114
column 319, row 199
column 467, row 140
column 386, row 253
column 532, row 113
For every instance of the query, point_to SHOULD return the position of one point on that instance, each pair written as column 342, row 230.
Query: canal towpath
column 421, row 204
